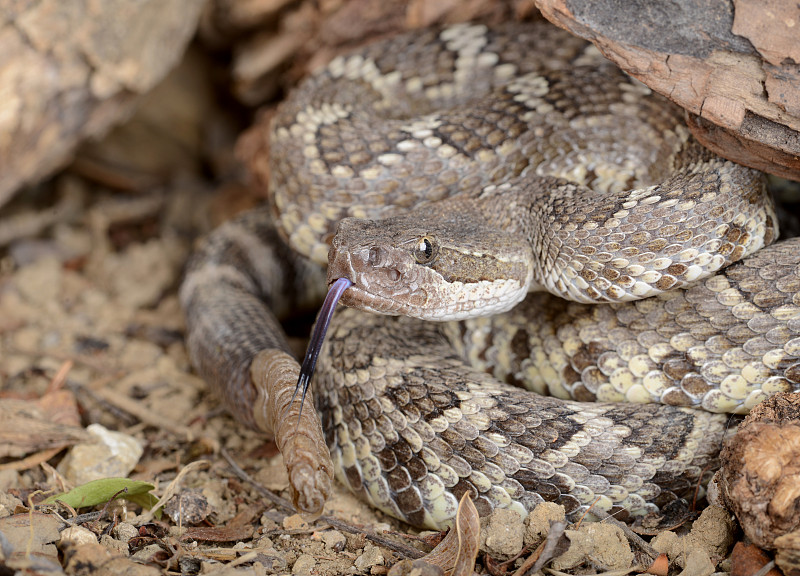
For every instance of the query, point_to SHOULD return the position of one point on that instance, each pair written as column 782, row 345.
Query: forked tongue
column 317, row 338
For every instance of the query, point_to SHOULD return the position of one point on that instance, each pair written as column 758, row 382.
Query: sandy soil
column 91, row 333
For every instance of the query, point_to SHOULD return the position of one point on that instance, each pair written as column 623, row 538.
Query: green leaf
column 101, row 491
column 146, row 501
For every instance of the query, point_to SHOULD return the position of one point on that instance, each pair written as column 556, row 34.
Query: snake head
column 448, row 266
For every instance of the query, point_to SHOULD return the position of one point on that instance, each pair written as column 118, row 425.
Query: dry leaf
column 45, row 424
column 456, row 554
column 553, row 546
column 660, row 566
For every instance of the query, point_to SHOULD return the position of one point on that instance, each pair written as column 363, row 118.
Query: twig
column 633, row 537
column 60, row 377
column 77, row 388
column 263, row 490
column 142, row 413
column 31, row 223
column 31, row 461
column 81, row 518
column 546, row 550
column 401, row 549
column 765, row 568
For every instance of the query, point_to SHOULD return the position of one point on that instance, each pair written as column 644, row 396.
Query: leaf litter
column 91, row 333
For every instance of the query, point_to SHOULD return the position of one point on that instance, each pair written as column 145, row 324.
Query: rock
column 188, row 507
column 113, row 456
column 416, row 567
column 8, row 478
column 731, row 65
column 71, row 70
column 113, row 545
column 8, row 504
column 537, row 524
column 26, row 536
column 698, row 564
column 125, row 531
column 502, row 534
column 603, row 546
column 77, row 536
column 91, row 559
column 334, row 540
column 40, row 283
column 295, row 522
column 712, row 533
column 304, row 564
column 372, row 556
column 145, row 555
column 355, row 542
column 664, row 542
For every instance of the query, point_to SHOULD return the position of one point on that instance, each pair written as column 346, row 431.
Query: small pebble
column 502, row 534
column 114, row 545
column 190, row 507
column 145, row 555
column 334, row 540
column 113, row 455
column 40, row 283
column 294, row 522
column 125, row 531
column 712, row 532
column 698, row 564
column 355, row 542
column 76, row 536
column 304, row 564
column 189, row 565
column 272, row 563
column 604, row 546
column 664, row 542
column 537, row 524
column 372, row 556
column 8, row 504
column 416, row 567
column 8, row 478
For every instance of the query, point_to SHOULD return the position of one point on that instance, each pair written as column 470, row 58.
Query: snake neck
column 616, row 246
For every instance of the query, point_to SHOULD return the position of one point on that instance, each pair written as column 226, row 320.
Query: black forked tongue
column 317, row 338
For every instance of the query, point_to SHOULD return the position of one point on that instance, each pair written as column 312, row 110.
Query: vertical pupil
column 423, row 251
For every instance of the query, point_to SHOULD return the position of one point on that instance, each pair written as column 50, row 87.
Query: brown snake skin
column 411, row 425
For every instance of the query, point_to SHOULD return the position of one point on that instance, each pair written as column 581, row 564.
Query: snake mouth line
column 357, row 297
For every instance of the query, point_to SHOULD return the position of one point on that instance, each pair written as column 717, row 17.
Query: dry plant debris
column 91, row 332
column 761, row 477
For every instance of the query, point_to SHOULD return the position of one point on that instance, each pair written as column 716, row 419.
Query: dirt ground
column 89, row 311
column 91, row 333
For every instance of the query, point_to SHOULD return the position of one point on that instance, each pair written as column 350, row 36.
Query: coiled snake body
column 502, row 161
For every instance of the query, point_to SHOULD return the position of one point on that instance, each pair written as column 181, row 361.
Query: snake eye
column 425, row 250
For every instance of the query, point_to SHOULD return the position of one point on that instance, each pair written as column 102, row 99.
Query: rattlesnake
column 496, row 117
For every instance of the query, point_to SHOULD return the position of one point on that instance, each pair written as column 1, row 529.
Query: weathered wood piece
column 734, row 65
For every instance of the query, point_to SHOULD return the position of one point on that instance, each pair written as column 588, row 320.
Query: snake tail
column 238, row 282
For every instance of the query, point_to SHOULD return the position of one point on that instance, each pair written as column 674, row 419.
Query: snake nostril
column 394, row 274
column 372, row 259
